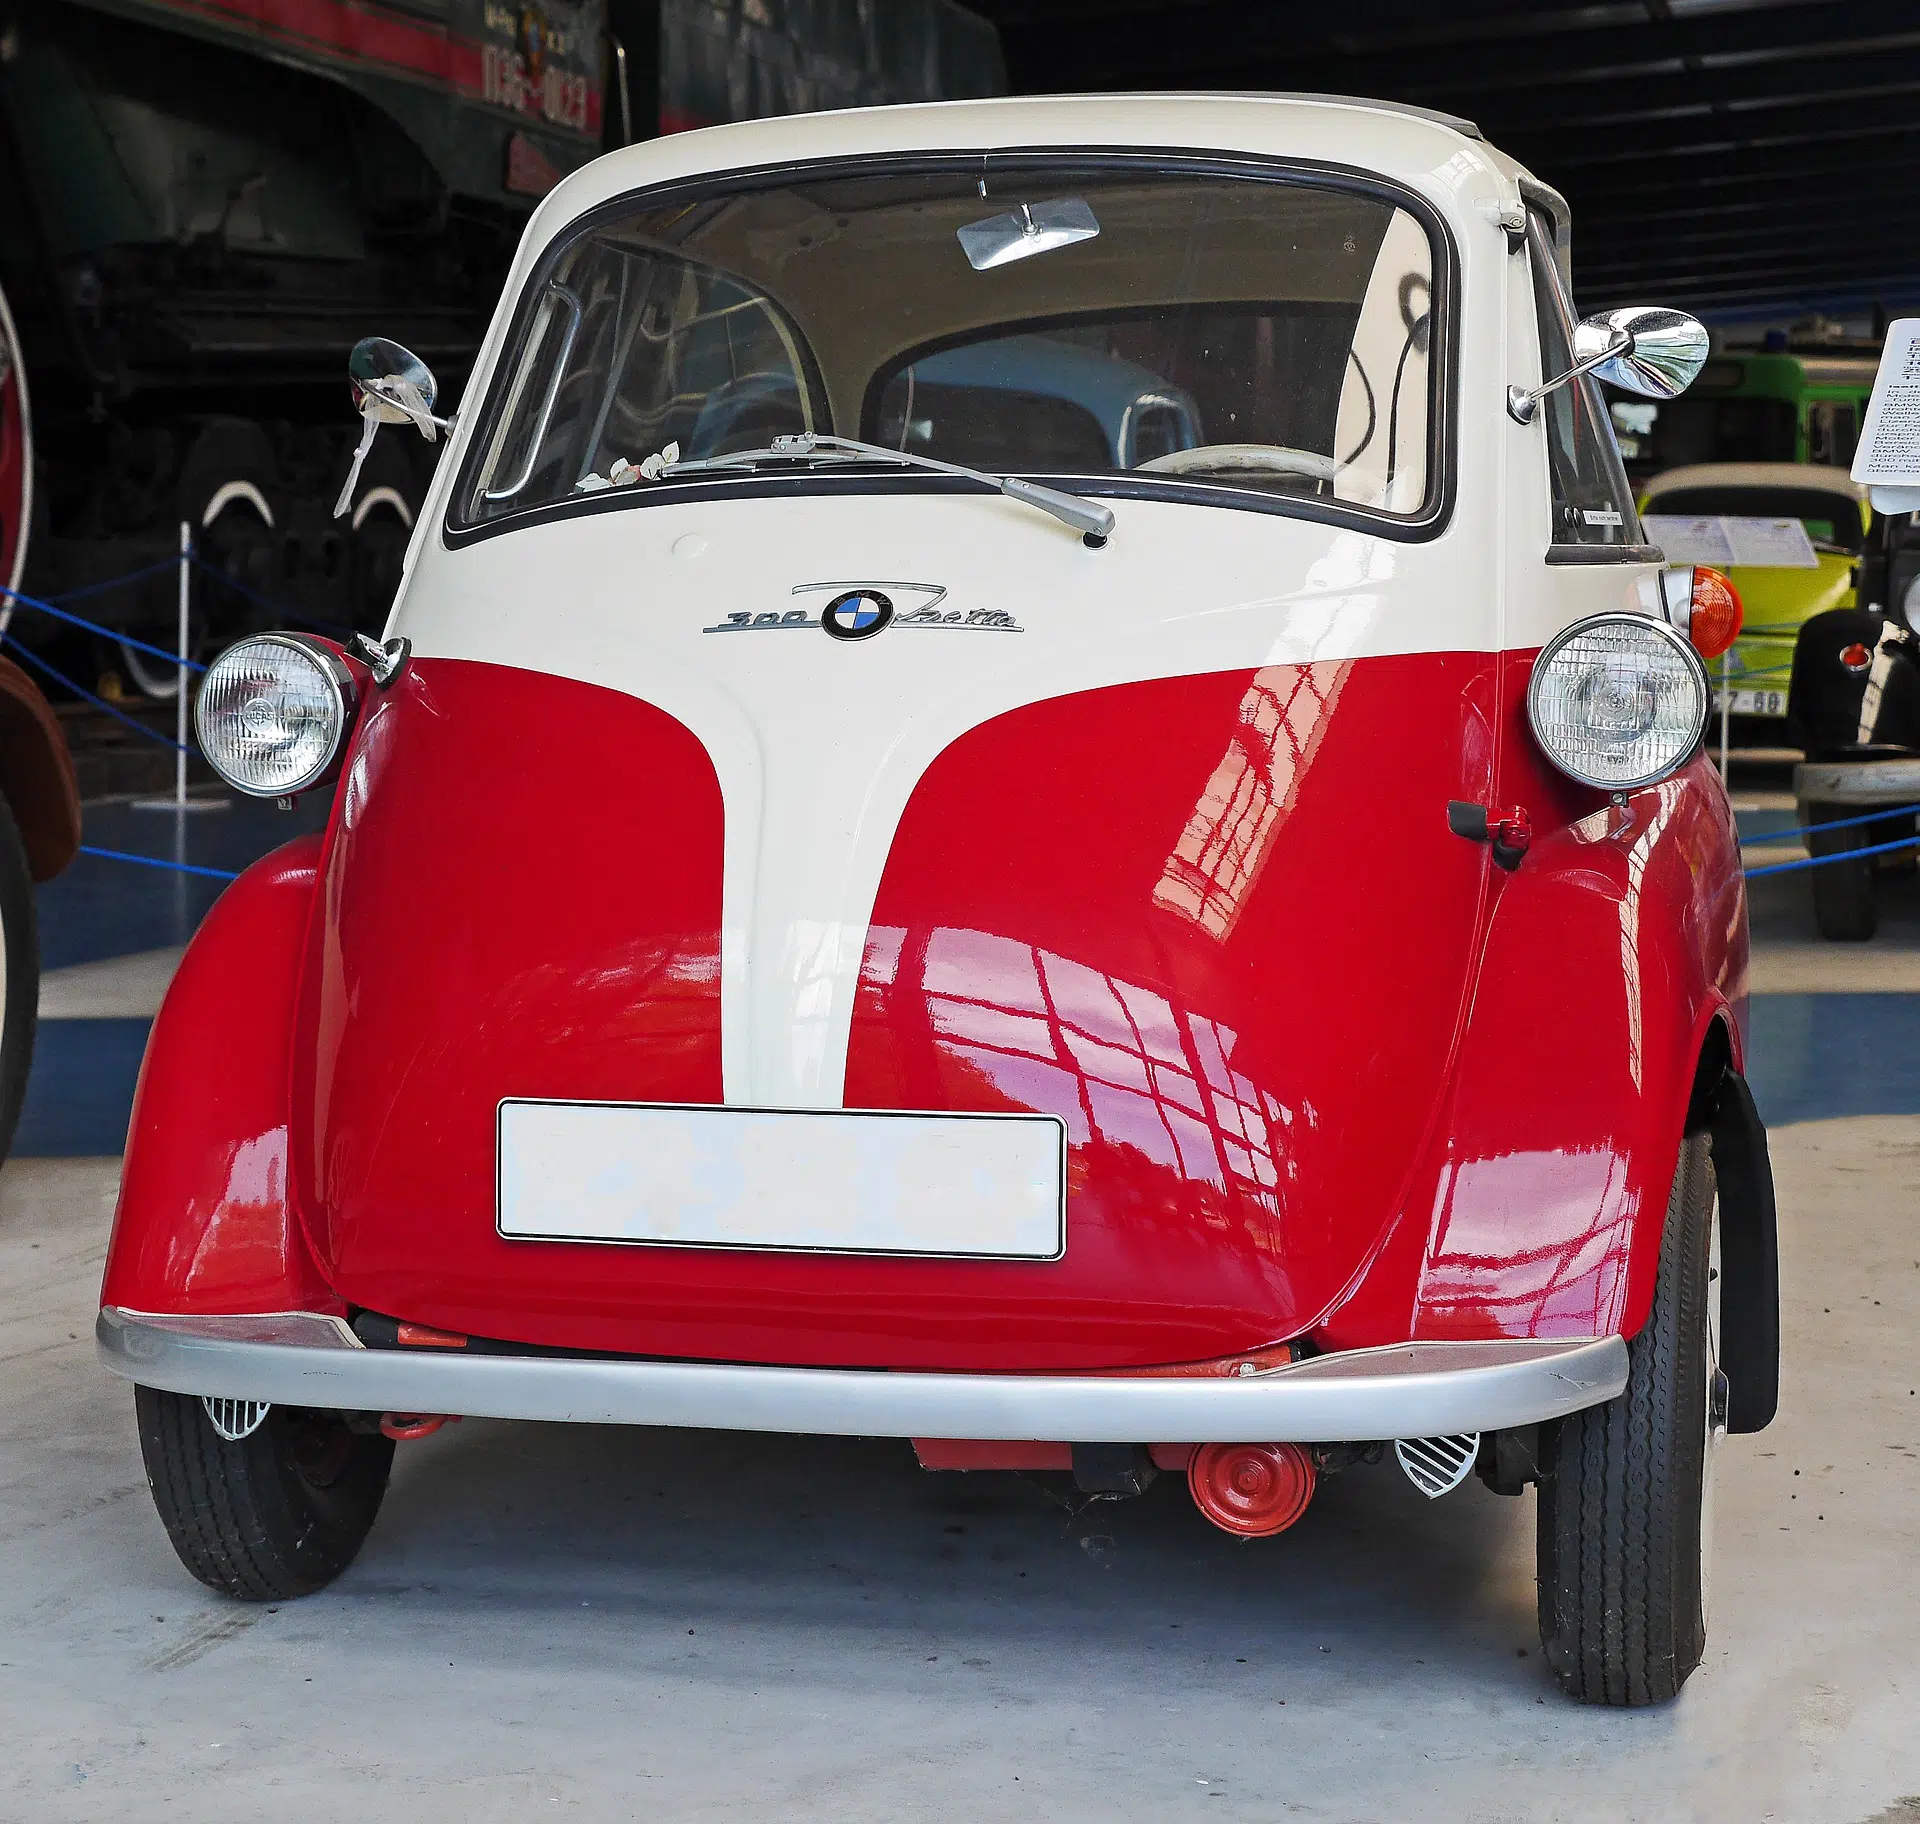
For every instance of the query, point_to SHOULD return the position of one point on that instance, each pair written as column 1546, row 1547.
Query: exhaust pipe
column 404, row 1427
column 1254, row 1490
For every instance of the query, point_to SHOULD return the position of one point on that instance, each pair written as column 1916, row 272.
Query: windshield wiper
column 1087, row 517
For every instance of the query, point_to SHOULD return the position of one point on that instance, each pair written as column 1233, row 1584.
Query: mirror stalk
column 1522, row 403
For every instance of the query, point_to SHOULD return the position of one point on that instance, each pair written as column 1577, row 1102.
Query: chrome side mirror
column 390, row 385
column 1641, row 349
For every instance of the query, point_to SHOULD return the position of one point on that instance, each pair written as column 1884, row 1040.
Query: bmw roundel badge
column 857, row 615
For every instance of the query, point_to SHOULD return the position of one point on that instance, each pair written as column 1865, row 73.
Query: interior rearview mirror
column 1025, row 230
column 390, row 385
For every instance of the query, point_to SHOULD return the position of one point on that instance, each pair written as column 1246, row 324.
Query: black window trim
column 1605, row 554
column 1442, row 429
column 1549, row 206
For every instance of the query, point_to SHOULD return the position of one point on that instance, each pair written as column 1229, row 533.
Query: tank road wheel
column 1625, row 1512
column 226, row 492
column 1843, row 905
column 277, row 1512
column 380, row 525
column 19, row 975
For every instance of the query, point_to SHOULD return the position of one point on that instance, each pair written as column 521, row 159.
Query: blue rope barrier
column 1821, row 861
column 1839, row 823
column 60, row 677
column 77, row 620
column 116, row 582
column 151, row 861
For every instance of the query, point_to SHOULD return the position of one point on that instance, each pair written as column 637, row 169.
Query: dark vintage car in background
column 1854, row 710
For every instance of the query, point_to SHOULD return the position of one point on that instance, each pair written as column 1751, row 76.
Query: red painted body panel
column 1215, row 926
column 1611, row 951
column 1216, row 923
column 1176, row 914
column 204, row 1222
column 522, row 897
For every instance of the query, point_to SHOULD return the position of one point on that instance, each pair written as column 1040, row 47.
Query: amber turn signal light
column 1714, row 623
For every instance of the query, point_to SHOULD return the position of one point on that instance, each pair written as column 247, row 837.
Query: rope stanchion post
column 180, row 803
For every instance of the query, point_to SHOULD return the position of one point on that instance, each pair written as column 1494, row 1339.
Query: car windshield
column 1260, row 340
column 1832, row 520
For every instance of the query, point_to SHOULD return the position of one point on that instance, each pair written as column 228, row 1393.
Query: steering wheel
column 1268, row 458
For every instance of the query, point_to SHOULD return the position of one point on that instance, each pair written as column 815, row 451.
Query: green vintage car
column 1778, row 599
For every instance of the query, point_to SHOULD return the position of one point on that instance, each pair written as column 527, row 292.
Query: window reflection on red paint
column 1490, row 1277
column 1216, row 863
column 1119, row 1062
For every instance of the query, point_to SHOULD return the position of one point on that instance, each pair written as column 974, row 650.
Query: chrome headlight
column 1910, row 604
column 273, row 714
column 1618, row 701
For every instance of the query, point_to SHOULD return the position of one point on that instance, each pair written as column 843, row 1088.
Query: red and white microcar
column 1030, row 790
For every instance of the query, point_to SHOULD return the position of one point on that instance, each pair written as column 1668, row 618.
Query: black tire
column 1843, row 903
column 20, row 985
column 1622, row 1526
column 279, row 1514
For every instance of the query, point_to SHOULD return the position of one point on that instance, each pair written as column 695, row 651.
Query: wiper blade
column 1087, row 517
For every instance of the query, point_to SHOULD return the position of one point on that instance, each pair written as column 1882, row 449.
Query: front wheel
column 275, row 1513
column 1625, row 1512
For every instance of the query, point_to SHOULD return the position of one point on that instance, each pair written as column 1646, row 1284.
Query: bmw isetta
column 863, row 897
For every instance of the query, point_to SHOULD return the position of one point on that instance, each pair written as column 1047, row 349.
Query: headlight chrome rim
column 1654, row 630
column 342, row 699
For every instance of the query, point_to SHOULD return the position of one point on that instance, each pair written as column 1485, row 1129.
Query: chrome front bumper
column 1406, row 1390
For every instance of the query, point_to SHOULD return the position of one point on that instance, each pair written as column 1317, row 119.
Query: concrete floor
column 552, row 1621
column 596, row 1623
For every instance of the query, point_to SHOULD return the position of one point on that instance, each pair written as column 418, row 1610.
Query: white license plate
column 1753, row 702
column 840, row 1181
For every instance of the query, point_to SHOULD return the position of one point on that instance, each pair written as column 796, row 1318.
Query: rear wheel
column 278, row 1512
column 1843, row 905
column 1625, row 1512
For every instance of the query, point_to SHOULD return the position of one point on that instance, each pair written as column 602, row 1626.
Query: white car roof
column 1441, row 155
column 1757, row 475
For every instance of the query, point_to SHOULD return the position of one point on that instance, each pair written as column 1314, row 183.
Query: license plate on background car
column 838, row 1181
column 1752, row 702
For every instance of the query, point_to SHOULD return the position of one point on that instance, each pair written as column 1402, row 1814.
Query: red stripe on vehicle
column 371, row 34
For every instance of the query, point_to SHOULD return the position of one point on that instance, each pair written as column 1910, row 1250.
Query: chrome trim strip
column 1410, row 1390
column 307, row 1329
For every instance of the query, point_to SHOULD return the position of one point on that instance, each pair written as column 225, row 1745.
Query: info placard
column 1727, row 539
column 1888, row 456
